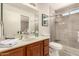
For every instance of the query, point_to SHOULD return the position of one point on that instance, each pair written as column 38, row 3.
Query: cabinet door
column 14, row 52
column 46, row 50
column 35, row 49
column 46, row 47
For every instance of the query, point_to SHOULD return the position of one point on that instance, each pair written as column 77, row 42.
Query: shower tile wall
column 67, row 30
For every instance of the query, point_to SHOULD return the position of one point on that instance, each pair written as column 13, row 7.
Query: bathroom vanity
column 37, row 47
column 19, row 21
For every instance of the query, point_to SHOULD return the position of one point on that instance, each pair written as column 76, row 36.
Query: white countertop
column 24, row 42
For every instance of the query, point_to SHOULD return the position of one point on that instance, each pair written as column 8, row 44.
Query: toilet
column 54, row 48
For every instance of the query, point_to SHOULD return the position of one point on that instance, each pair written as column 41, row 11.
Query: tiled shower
column 67, row 32
column 66, row 27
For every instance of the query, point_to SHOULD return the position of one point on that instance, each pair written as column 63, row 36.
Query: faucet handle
column 19, row 32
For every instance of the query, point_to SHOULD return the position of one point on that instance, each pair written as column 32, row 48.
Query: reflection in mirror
column 24, row 24
column 17, row 18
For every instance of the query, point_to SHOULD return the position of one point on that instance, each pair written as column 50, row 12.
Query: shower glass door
column 67, row 29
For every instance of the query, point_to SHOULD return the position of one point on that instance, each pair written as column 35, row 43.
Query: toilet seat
column 55, row 45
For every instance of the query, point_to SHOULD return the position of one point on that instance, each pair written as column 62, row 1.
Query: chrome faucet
column 20, row 35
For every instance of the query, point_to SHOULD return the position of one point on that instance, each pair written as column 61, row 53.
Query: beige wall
column 12, row 19
column 44, row 9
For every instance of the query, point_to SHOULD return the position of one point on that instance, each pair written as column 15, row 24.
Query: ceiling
column 55, row 6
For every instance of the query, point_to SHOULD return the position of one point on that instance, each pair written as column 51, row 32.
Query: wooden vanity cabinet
column 40, row 48
column 14, row 52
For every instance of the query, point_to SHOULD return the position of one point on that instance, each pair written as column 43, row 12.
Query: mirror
column 18, row 19
column 24, row 23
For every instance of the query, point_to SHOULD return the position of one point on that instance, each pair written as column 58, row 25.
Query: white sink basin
column 8, row 43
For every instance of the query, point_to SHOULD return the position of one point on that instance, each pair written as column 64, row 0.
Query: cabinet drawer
column 14, row 52
column 36, row 43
